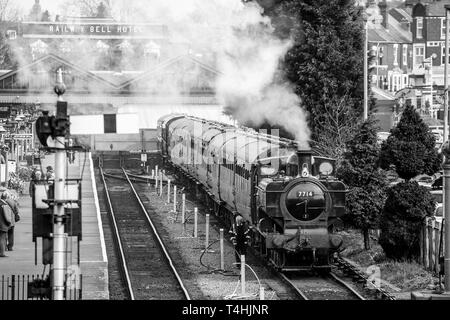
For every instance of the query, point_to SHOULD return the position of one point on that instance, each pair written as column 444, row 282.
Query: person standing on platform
column 5, row 223
column 50, row 174
column 36, row 176
column 7, row 197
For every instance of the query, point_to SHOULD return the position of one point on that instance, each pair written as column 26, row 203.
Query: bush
column 25, row 173
column 410, row 147
column 366, row 182
column 405, row 209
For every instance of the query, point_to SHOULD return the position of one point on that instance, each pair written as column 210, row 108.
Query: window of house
column 405, row 55
column 395, row 54
column 11, row 34
column 419, row 28
column 380, row 55
column 419, row 55
column 443, row 28
column 443, row 55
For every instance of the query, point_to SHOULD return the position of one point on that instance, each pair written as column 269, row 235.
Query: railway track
column 147, row 267
column 317, row 287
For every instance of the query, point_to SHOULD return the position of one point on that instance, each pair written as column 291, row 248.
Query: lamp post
column 429, row 62
column 446, row 53
column 447, row 162
column 366, row 71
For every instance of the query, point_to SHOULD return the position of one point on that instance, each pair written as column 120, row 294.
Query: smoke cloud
column 228, row 34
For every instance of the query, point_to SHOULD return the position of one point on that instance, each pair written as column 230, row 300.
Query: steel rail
column 119, row 241
column 342, row 263
column 166, row 253
column 345, row 284
column 293, row 286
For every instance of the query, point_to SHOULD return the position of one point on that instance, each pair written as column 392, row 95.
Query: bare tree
column 86, row 7
column 337, row 126
column 9, row 11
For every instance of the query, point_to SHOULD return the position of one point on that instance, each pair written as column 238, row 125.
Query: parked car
column 439, row 213
column 424, row 180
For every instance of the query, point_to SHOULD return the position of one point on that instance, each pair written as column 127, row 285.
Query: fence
column 34, row 287
column 431, row 244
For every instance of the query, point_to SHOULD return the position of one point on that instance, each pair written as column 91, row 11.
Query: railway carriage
column 287, row 195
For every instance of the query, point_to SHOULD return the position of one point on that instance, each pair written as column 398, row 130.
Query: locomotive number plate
column 303, row 194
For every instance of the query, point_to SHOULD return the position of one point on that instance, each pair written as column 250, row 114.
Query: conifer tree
column 366, row 181
column 410, row 147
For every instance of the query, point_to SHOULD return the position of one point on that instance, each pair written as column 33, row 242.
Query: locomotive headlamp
column 326, row 168
column 305, row 171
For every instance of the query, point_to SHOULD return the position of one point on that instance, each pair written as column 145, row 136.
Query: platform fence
column 35, row 287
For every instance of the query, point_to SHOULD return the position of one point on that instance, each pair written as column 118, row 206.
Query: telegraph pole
column 59, row 236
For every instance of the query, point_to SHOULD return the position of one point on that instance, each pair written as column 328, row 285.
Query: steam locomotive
column 287, row 195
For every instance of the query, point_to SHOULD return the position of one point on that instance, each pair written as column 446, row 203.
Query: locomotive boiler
column 287, row 195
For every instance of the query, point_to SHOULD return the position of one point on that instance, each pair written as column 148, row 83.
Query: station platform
column 93, row 258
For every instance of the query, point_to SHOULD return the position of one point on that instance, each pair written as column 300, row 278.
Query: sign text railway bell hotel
column 93, row 30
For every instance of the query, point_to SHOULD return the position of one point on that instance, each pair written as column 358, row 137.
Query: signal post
column 59, row 237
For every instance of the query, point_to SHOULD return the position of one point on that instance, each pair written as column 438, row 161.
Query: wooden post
column 421, row 242
column 427, row 246
column 161, row 184
column 168, row 191
column 436, row 253
column 174, row 198
column 430, row 246
column 222, row 263
column 183, row 208
column 207, row 232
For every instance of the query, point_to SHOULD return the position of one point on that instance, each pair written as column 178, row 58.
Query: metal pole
column 446, row 74
column 17, row 156
column 366, row 76
column 207, row 232
column 222, row 263
column 447, row 162
column 447, row 223
column 6, row 168
column 58, row 226
column 195, row 222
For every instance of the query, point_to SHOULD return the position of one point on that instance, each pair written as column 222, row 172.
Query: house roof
column 109, row 79
column 394, row 33
column 436, row 8
column 169, row 62
column 400, row 15
column 53, row 57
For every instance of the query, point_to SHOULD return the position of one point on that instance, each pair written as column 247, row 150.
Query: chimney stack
column 383, row 12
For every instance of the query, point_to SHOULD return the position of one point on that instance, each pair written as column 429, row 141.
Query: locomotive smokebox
column 304, row 162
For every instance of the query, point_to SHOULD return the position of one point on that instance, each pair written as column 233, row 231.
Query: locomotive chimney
column 304, row 162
